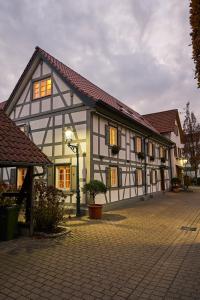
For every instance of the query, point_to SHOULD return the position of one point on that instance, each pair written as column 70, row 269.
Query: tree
column 195, row 34
column 191, row 130
column 94, row 188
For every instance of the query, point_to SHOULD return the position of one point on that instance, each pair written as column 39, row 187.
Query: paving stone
column 133, row 253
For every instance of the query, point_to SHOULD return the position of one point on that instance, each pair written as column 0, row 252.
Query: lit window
column 138, row 145
column 113, row 177
column 42, row 88
column 113, row 136
column 162, row 152
column 63, row 177
column 21, row 173
column 139, row 176
column 150, row 149
column 153, row 176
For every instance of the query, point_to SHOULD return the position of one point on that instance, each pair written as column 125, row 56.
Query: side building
column 117, row 145
column 169, row 125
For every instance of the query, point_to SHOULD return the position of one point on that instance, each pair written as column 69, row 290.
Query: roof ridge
column 91, row 90
column 120, row 102
column 163, row 111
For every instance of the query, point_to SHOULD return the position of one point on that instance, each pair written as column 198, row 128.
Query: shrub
column 175, row 181
column 48, row 207
column 141, row 155
column 115, row 149
column 94, row 187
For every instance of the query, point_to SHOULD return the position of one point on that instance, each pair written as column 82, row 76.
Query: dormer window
column 41, row 88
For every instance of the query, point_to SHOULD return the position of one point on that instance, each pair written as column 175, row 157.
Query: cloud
column 136, row 50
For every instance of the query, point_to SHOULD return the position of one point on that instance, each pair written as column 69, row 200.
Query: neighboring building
column 49, row 97
column 169, row 125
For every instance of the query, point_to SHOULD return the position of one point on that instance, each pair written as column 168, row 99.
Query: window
column 113, row 177
column 21, row 173
column 162, row 152
column 113, row 136
column 150, row 149
column 153, row 177
column 42, row 88
column 63, row 177
column 139, row 177
column 138, row 144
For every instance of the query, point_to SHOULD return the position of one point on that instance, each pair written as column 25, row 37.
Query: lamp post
column 75, row 149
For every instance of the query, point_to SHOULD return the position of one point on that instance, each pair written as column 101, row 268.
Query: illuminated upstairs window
column 42, row 88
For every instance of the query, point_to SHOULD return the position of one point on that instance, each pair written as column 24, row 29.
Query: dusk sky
column 137, row 50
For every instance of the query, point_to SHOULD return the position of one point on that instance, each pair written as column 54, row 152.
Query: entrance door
column 162, row 177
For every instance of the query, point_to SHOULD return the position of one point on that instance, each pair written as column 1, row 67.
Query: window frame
column 136, row 145
column 39, row 79
column 116, row 130
column 150, row 144
column 154, row 176
column 17, row 177
column 117, row 176
column 136, row 174
column 56, row 173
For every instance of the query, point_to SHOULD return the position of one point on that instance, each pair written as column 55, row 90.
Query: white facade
column 46, row 119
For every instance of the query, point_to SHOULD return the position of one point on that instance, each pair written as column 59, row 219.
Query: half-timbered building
column 169, row 125
column 117, row 145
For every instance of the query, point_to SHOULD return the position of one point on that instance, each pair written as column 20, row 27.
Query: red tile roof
column 89, row 89
column 16, row 147
column 163, row 121
column 2, row 104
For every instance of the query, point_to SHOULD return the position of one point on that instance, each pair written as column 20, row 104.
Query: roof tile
column 163, row 121
column 91, row 90
column 16, row 147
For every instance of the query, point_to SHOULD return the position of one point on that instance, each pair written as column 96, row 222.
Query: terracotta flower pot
column 95, row 211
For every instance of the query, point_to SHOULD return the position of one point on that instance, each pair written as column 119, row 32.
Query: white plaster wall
column 36, row 74
column 46, row 104
column 25, row 110
column 35, row 107
column 61, row 84
column 114, row 195
column 39, row 123
column 95, row 124
column 45, row 69
column 79, row 116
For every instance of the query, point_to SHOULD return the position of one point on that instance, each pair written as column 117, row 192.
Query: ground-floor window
column 21, row 173
column 63, row 177
column 153, row 177
column 113, row 176
column 139, row 176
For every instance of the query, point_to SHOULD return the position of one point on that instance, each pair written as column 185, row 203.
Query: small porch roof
column 16, row 149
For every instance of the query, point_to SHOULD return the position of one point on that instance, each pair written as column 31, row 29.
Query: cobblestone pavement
column 133, row 253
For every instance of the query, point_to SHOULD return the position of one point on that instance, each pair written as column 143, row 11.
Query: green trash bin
column 8, row 222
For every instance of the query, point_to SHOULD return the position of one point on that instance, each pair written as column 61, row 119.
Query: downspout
column 145, row 166
column 170, row 159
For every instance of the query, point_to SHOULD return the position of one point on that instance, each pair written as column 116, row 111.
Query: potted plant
column 176, row 182
column 115, row 149
column 93, row 188
column 9, row 212
column 141, row 155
